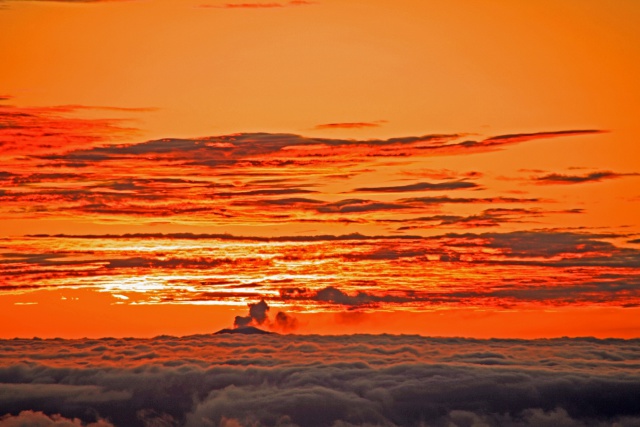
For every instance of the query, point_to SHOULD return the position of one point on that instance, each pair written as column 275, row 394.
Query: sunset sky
column 442, row 168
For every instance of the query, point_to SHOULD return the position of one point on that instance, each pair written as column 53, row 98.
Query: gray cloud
column 266, row 192
column 270, row 5
column 292, row 201
column 193, row 236
column 421, row 186
column 556, row 178
column 350, row 125
column 541, row 135
column 487, row 218
column 540, row 243
column 359, row 206
column 259, row 316
column 309, row 381
column 228, row 150
column 382, row 270
column 333, row 295
column 441, row 200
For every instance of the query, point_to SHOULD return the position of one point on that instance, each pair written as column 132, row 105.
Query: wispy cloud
column 59, row 166
column 521, row 137
column 231, row 237
column 441, row 200
column 493, row 217
column 38, row 130
column 420, row 186
column 259, row 5
column 66, row 1
column 556, row 178
column 441, row 174
column 359, row 206
column 318, row 272
column 350, row 125
column 229, row 149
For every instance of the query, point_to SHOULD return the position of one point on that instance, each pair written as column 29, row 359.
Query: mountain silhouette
column 247, row 330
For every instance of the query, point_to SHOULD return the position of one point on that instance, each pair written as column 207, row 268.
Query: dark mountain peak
column 247, row 330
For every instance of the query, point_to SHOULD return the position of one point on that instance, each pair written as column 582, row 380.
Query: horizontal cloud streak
column 258, row 5
column 556, row 178
column 421, row 186
column 519, row 137
column 38, row 130
column 225, row 149
column 190, row 180
column 350, row 125
column 315, row 238
column 322, row 272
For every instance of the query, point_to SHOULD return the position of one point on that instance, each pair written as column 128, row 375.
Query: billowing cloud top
column 309, row 381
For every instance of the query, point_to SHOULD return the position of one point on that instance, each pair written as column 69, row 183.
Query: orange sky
column 446, row 168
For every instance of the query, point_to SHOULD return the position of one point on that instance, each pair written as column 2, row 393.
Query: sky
column 451, row 169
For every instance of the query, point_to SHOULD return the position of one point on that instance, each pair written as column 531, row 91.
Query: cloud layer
column 556, row 178
column 534, row 268
column 59, row 166
column 298, row 380
column 327, row 224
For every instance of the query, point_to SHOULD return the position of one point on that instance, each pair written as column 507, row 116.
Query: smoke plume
column 259, row 316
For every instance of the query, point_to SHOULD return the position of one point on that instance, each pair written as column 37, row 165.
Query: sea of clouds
column 310, row 380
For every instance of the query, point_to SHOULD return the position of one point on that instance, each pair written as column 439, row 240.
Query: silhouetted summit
column 248, row 330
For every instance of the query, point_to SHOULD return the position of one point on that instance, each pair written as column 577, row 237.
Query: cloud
column 494, row 217
column 358, row 206
column 350, row 125
column 441, row 174
column 39, row 419
column 624, row 289
column 92, row 177
column 321, row 272
column 39, row 130
column 231, row 237
column 271, row 5
column 226, row 150
column 596, row 291
column 248, row 147
column 312, row 381
column 555, row 178
column 546, row 244
column 259, row 316
column 520, row 137
column 336, row 296
column 420, row 186
column 549, row 248
column 266, row 192
column 67, row 1
column 292, row 201
column 441, row 200
column 285, row 322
